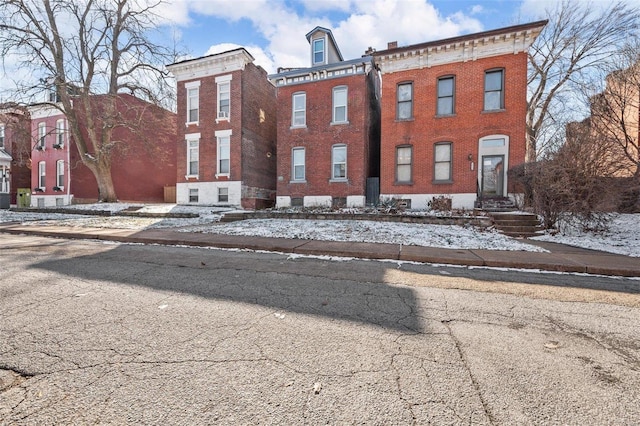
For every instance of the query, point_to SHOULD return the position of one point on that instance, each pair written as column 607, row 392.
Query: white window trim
column 346, row 105
column 333, row 163
column 324, row 51
column 218, row 195
column 42, row 172
column 219, row 135
column 187, row 86
column 223, row 79
column 60, row 130
column 58, row 164
column 192, row 137
column 293, row 164
column 42, row 136
column 293, row 111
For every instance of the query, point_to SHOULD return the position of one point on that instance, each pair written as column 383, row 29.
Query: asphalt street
column 108, row 333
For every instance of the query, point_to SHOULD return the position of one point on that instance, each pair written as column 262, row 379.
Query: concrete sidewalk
column 561, row 258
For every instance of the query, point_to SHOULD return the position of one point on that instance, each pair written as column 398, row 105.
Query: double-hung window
column 446, row 90
column 223, row 138
column 404, row 157
column 339, row 162
column 299, row 115
column 405, row 101
column 1, row 136
column 224, row 96
column 42, row 175
column 318, row 51
column 42, row 135
column 193, row 102
column 60, row 133
column 223, row 195
column 442, row 162
column 193, row 155
column 340, row 104
column 494, row 90
column 60, row 174
column 298, row 164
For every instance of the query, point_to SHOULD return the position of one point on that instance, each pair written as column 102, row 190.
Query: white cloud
column 370, row 23
column 261, row 57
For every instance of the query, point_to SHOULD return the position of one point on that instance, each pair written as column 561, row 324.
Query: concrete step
column 517, row 224
column 232, row 217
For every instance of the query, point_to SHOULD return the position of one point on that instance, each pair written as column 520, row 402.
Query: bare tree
column 615, row 112
column 85, row 48
column 578, row 39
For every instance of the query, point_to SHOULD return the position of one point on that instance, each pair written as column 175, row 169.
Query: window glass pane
column 404, row 173
column 445, row 87
column 493, row 81
column 339, row 154
column 404, row 110
column 492, row 100
column 340, row 114
column 488, row 143
column 339, row 170
column 298, row 102
column 442, row 171
column 224, row 166
column 404, row 155
column 445, row 106
column 340, row 96
column 443, row 152
column 318, row 51
column 404, row 92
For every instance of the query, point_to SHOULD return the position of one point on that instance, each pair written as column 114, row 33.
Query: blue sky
column 274, row 30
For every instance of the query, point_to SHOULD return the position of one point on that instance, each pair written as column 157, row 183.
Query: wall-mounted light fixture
column 471, row 164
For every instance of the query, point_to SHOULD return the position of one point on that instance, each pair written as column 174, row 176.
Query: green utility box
column 24, row 198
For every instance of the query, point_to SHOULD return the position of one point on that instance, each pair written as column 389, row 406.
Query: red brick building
column 453, row 116
column 15, row 152
column 143, row 164
column 327, row 127
column 226, row 131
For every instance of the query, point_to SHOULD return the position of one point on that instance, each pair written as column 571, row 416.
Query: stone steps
column 516, row 224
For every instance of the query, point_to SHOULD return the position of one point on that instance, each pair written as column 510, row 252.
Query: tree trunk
column 102, row 173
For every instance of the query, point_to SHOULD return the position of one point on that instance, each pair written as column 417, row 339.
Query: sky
column 273, row 31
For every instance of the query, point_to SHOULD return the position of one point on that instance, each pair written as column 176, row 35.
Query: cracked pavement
column 131, row 334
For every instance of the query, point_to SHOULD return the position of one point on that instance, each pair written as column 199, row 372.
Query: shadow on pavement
column 353, row 291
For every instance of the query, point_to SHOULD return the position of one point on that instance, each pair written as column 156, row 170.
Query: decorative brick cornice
column 510, row 40
column 210, row 65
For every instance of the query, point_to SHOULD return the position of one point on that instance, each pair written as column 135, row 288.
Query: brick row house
column 453, row 116
column 442, row 118
column 15, row 153
column 143, row 165
column 328, row 122
column 226, row 135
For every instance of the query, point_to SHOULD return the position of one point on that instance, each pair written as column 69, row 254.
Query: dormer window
column 318, row 51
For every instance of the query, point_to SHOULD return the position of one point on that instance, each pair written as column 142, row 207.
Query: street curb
column 596, row 263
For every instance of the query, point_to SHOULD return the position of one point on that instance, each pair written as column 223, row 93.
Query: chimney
column 392, row 45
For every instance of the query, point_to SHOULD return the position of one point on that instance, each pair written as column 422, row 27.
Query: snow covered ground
column 623, row 236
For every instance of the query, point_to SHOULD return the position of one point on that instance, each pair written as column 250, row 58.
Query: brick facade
column 321, row 132
column 249, row 126
column 466, row 59
column 15, row 150
column 142, row 166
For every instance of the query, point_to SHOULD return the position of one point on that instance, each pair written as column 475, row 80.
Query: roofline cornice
column 533, row 28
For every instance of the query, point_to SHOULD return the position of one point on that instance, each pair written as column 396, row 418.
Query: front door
column 493, row 175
